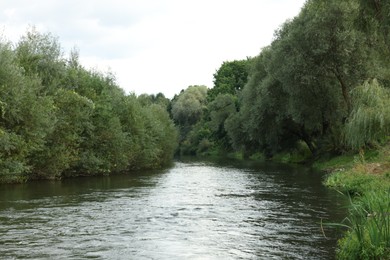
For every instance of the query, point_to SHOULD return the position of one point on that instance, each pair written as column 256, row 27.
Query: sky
column 153, row 46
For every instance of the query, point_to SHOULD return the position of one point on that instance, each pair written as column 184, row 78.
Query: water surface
column 194, row 210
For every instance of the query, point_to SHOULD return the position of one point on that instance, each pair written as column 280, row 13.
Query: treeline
column 59, row 119
column 321, row 86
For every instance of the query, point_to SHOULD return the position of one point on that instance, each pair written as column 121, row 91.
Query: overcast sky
column 153, row 45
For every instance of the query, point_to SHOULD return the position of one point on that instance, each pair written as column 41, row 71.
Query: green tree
column 62, row 146
column 374, row 22
column 374, row 19
column 220, row 109
column 264, row 123
column 187, row 111
column 189, row 106
column 107, row 146
column 319, row 58
column 59, row 119
column 159, row 138
column 230, row 78
column 159, row 99
column 26, row 118
column 369, row 122
column 40, row 55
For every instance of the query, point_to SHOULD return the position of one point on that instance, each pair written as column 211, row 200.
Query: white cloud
column 154, row 46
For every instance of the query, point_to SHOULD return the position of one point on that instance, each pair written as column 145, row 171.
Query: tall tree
column 223, row 106
column 319, row 57
column 26, row 118
column 189, row 106
column 41, row 54
column 230, row 78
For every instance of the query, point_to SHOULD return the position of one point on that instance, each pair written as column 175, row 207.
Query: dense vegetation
column 321, row 86
column 59, row 119
column 320, row 89
column 365, row 178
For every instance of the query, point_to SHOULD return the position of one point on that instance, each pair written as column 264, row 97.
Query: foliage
column 188, row 109
column 360, row 173
column 330, row 162
column 299, row 88
column 72, row 118
column 230, row 78
column 58, row 119
column 354, row 183
column 223, row 106
column 367, row 181
column 369, row 121
column 374, row 19
column 368, row 224
column 202, row 120
column 160, row 99
column 40, row 54
column 26, row 118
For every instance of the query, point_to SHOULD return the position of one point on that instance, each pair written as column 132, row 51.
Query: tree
column 58, row 119
column 187, row 111
column 374, row 23
column 159, row 139
column 41, row 55
column 188, row 108
column 160, row 99
column 319, row 58
column 62, row 145
column 263, row 123
column 374, row 20
column 26, row 118
column 369, row 122
column 220, row 109
column 230, row 78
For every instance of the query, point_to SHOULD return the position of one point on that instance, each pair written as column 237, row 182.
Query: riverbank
column 365, row 178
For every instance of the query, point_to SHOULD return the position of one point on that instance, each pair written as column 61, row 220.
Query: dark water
column 195, row 210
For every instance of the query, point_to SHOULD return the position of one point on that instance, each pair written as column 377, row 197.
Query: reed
column 368, row 224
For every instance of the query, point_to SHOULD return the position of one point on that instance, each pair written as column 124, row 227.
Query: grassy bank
column 365, row 178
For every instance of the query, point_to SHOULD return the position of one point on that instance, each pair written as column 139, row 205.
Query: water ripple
column 193, row 211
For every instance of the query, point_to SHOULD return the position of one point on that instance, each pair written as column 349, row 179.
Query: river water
column 194, row 210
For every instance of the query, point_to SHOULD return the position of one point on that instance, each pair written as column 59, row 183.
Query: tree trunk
column 344, row 89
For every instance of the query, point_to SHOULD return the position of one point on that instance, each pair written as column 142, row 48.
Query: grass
column 334, row 164
column 368, row 223
column 365, row 178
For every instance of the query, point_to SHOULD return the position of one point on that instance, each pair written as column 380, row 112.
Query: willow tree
column 263, row 118
column 41, row 54
column 220, row 109
column 26, row 118
column 319, row 57
column 374, row 21
column 188, row 108
column 369, row 122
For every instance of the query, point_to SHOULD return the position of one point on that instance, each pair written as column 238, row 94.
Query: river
column 194, row 210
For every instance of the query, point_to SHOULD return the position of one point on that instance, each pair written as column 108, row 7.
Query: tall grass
column 368, row 224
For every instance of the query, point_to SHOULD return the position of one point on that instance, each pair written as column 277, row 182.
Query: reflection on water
column 195, row 210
